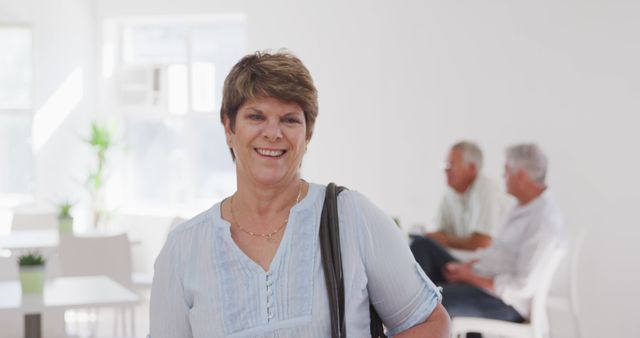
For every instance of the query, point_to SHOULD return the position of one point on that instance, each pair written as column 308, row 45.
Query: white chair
column 8, row 268
column 536, row 327
column 141, row 280
column 34, row 220
column 175, row 222
column 573, row 292
column 148, row 235
column 570, row 302
column 99, row 255
column 11, row 323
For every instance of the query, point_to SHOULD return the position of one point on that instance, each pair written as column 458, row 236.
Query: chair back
column 8, row 268
column 34, row 220
column 539, row 319
column 175, row 222
column 576, row 252
column 10, row 322
column 97, row 255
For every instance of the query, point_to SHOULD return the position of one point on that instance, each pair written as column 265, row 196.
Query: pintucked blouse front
column 205, row 286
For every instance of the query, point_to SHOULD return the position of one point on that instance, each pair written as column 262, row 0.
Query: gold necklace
column 269, row 235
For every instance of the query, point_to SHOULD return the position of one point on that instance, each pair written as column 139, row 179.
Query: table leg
column 32, row 328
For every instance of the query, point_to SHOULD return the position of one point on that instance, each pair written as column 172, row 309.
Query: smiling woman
column 251, row 265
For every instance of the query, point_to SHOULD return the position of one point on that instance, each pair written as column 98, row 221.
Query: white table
column 39, row 239
column 30, row 239
column 63, row 293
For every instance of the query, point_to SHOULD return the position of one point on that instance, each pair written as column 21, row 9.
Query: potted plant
column 65, row 220
column 31, row 272
column 101, row 140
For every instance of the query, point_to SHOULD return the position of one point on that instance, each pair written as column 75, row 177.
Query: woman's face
column 269, row 140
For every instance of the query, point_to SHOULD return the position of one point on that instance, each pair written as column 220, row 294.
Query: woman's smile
column 270, row 153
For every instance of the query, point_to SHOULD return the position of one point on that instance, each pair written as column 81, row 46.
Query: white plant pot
column 32, row 279
column 65, row 225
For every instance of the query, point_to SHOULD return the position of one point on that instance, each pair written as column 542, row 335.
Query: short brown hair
column 280, row 75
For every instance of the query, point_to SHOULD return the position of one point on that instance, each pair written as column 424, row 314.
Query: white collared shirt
column 515, row 258
column 481, row 209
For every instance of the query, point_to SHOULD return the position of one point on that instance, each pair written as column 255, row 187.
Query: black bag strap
column 332, row 266
column 332, row 260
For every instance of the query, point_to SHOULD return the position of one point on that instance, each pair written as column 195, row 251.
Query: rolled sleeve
column 420, row 307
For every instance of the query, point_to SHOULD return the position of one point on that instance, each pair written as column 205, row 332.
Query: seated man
column 474, row 206
column 500, row 283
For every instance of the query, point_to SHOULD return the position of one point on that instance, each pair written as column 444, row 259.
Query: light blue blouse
column 205, row 286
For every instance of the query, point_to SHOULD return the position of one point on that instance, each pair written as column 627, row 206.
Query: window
column 16, row 155
column 166, row 84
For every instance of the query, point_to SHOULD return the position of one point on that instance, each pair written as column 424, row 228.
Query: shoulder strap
column 332, row 266
column 332, row 260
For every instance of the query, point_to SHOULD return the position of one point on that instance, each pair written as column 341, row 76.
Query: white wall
column 400, row 81
column 63, row 91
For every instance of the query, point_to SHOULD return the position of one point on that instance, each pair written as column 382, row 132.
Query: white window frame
column 114, row 58
column 10, row 199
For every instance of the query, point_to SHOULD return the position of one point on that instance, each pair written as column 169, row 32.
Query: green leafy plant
column 32, row 258
column 64, row 209
column 101, row 140
column 31, row 272
column 65, row 220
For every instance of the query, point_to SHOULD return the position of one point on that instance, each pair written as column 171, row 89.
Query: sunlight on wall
column 110, row 31
column 51, row 115
column 108, row 59
column 6, row 216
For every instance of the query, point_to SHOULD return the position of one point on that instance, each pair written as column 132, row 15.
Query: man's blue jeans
column 460, row 299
